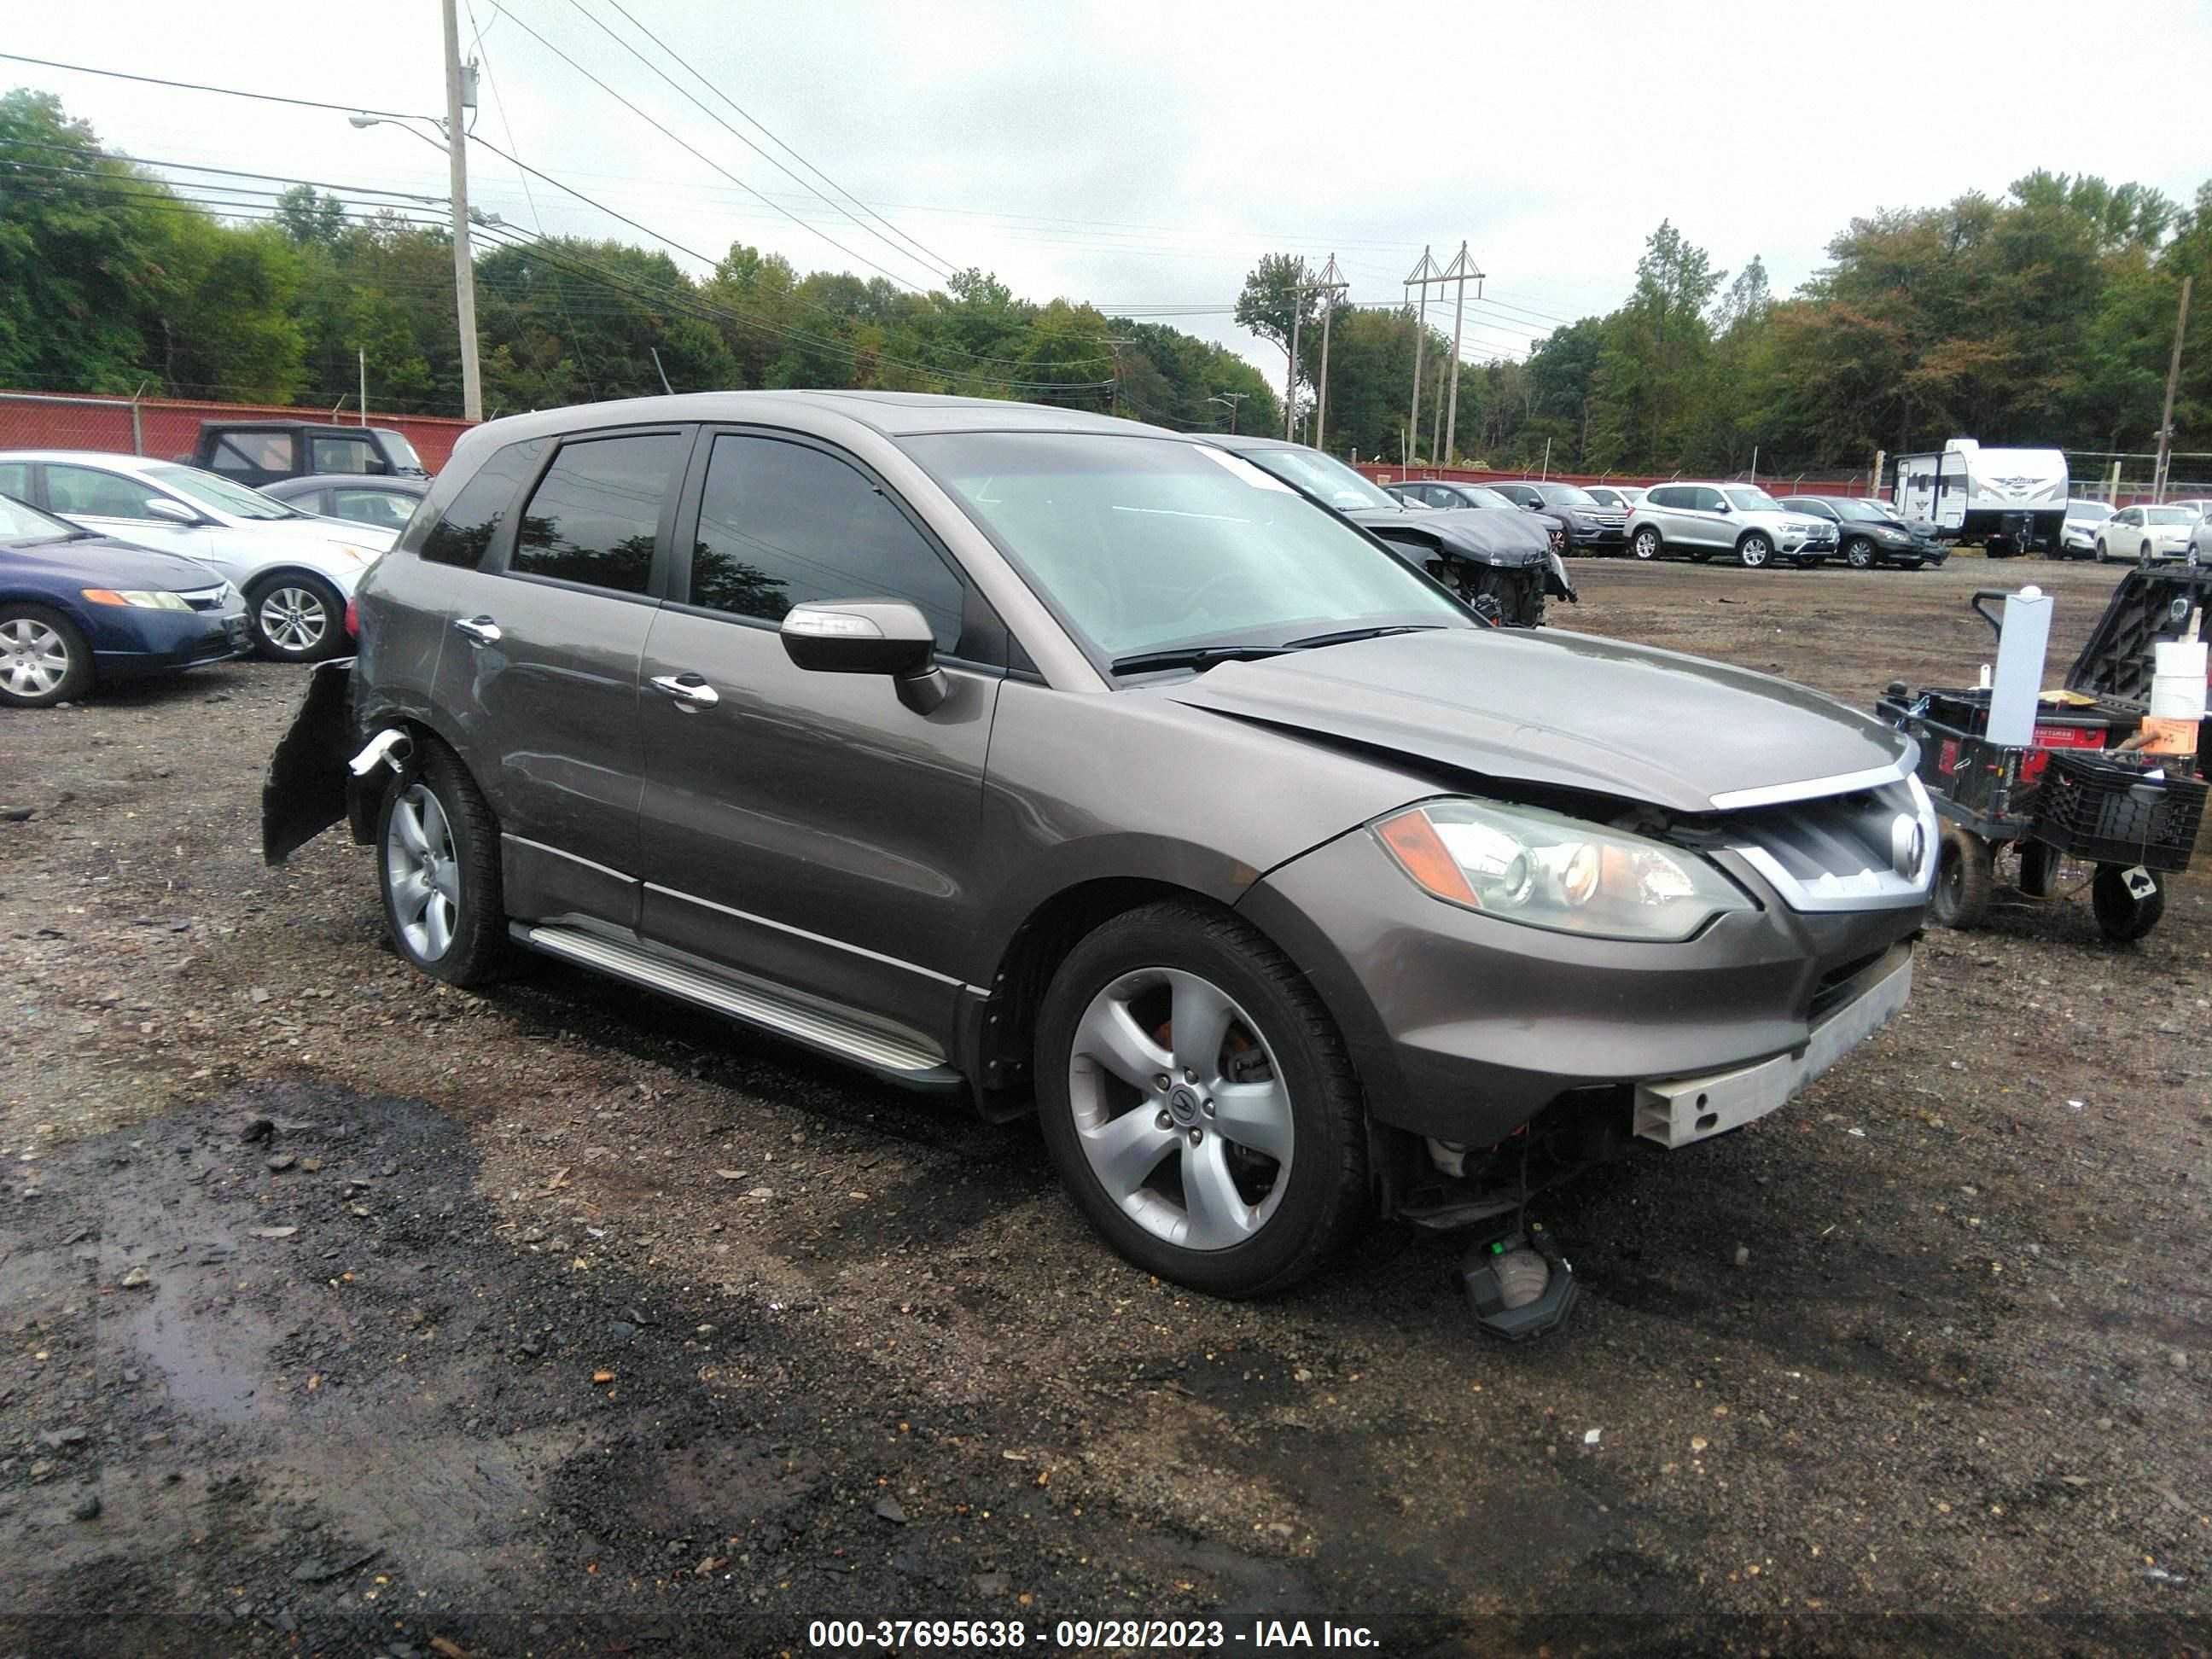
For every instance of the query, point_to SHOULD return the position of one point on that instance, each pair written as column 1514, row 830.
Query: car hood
column 103, row 561
column 1488, row 535
column 312, row 533
column 1554, row 708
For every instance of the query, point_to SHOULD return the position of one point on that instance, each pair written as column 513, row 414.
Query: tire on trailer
column 1965, row 873
column 2039, row 868
column 2121, row 913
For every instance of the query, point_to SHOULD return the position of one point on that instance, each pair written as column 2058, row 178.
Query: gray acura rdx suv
column 1093, row 771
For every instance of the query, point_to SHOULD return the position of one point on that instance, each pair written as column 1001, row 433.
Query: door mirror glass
column 161, row 507
column 1722, row 506
column 860, row 636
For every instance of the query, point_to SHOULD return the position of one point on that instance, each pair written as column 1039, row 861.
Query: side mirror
column 868, row 637
column 1724, row 506
column 161, row 507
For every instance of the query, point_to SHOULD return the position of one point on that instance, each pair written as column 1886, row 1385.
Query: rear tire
column 1964, row 875
column 438, row 871
column 1646, row 546
column 2122, row 915
column 1105, row 1043
column 44, row 660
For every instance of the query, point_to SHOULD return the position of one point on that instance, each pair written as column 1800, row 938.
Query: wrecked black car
column 1500, row 560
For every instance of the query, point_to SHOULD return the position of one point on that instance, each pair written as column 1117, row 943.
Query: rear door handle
column 691, row 691
column 481, row 630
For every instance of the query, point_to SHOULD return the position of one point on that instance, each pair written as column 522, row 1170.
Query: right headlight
column 137, row 599
column 1542, row 869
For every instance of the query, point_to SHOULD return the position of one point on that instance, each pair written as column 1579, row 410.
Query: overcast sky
column 1142, row 155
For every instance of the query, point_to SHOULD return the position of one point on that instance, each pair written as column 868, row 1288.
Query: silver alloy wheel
column 34, row 657
column 1185, row 1119
column 293, row 618
column 1860, row 555
column 1647, row 545
column 421, row 873
column 1754, row 552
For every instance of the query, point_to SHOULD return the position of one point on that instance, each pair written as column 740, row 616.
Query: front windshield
column 221, row 494
column 1143, row 545
column 2088, row 510
column 22, row 522
column 2172, row 515
column 1568, row 495
column 1324, row 476
column 403, row 453
column 1864, row 512
column 1477, row 496
column 1749, row 500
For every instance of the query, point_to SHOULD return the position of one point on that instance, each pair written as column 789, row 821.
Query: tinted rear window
column 463, row 534
column 595, row 517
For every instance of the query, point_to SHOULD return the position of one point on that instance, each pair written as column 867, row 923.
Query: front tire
column 1858, row 553
column 438, row 871
column 1754, row 552
column 2123, row 914
column 1199, row 1103
column 296, row 618
column 1646, row 545
column 44, row 660
column 2100, row 550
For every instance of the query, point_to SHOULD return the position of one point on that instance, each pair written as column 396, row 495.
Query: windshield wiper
column 1345, row 636
column 1192, row 656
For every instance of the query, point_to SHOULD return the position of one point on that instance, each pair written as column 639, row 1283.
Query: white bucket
column 2177, row 685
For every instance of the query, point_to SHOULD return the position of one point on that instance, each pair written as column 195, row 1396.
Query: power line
column 685, row 144
column 229, row 173
column 929, row 261
column 195, row 86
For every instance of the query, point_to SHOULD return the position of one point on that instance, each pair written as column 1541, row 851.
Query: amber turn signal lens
column 1414, row 842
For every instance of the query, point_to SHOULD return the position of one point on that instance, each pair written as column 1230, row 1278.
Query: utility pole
column 1290, row 389
column 2172, row 375
column 364, row 385
column 1113, row 344
column 1420, row 276
column 464, row 270
column 1328, row 285
column 1459, row 269
column 1232, row 398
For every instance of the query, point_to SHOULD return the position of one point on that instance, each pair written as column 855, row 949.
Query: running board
column 904, row 1059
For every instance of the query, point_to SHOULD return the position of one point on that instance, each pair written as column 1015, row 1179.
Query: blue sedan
column 77, row 609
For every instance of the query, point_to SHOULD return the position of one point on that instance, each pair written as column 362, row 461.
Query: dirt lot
column 343, row 1313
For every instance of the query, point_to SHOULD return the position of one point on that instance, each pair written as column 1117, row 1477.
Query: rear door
column 538, row 668
column 811, row 828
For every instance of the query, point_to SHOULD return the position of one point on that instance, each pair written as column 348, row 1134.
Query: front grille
column 1842, row 852
column 204, row 598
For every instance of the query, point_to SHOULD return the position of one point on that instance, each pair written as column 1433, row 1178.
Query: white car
column 296, row 570
column 2077, row 536
column 2147, row 532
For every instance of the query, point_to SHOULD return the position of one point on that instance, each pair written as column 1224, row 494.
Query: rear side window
column 465, row 533
column 781, row 524
column 385, row 508
column 1662, row 496
column 249, row 452
column 342, row 455
column 595, row 517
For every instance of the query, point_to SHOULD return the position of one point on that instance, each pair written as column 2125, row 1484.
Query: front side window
column 2130, row 517
column 1146, row 545
column 96, row 493
column 781, row 524
column 15, row 479
column 595, row 516
column 463, row 531
column 1706, row 500
column 342, row 455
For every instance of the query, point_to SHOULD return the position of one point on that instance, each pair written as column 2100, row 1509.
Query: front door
column 811, row 828
column 539, row 667
column 114, row 504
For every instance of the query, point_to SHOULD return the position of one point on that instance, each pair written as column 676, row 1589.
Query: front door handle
column 691, row 691
column 481, row 630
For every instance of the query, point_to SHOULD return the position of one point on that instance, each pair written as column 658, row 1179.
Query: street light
column 1232, row 398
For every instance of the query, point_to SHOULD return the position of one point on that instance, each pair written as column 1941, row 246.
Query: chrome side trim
column 800, row 933
column 818, row 1027
column 1842, row 783
column 540, row 847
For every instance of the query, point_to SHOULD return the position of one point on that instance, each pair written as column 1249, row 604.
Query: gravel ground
column 343, row 1312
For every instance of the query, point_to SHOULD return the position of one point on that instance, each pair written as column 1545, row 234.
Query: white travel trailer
column 2008, row 500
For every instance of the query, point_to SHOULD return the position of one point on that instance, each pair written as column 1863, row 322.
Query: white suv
column 296, row 570
column 1698, row 520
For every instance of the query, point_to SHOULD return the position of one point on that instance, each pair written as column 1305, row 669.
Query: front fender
column 305, row 789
